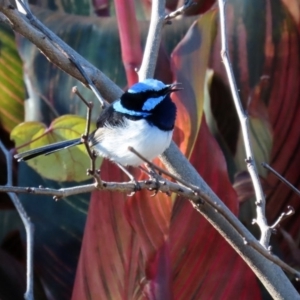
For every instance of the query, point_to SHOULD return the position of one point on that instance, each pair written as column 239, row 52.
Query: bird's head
column 142, row 98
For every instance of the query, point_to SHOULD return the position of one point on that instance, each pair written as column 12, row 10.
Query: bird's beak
column 174, row 87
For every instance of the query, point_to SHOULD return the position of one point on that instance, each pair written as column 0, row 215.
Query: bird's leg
column 132, row 179
column 85, row 139
column 150, row 169
column 153, row 175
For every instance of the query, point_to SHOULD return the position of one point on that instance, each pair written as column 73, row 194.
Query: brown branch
column 124, row 187
column 196, row 197
column 19, row 23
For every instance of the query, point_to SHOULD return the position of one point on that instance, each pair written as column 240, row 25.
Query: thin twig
column 268, row 167
column 47, row 102
column 85, row 138
column 261, row 220
column 275, row 259
column 180, row 11
column 91, row 85
column 283, row 216
column 28, row 225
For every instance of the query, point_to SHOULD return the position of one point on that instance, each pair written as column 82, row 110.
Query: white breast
column 148, row 140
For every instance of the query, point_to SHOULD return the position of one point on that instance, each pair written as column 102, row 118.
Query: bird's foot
column 137, row 186
column 153, row 176
column 96, row 175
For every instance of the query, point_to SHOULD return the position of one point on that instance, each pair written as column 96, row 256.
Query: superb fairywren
column 142, row 118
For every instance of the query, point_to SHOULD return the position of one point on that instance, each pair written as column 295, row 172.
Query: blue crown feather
column 146, row 85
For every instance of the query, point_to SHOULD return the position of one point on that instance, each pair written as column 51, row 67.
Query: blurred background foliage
column 109, row 246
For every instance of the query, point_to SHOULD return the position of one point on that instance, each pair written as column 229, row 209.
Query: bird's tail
column 46, row 150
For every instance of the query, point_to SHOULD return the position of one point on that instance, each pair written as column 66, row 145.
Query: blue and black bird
column 142, row 118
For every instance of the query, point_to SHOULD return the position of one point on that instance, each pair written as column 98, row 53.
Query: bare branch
column 35, row 22
column 49, row 47
column 85, row 137
column 260, row 197
column 196, row 196
column 90, row 84
column 283, row 216
column 29, row 227
column 124, row 187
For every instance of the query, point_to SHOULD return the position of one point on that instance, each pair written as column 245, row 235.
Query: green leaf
column 66, row 165
column 11, row 81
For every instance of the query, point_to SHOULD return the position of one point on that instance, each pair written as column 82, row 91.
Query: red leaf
column 109, row 260
column 159, row 276
column 130, row 38
column 124, row 254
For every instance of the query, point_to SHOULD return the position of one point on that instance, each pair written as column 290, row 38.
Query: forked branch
column 261, row 220
column 29, row 227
